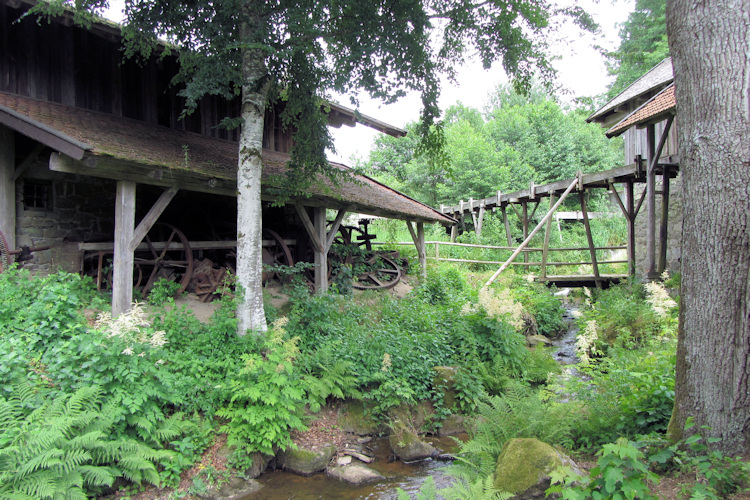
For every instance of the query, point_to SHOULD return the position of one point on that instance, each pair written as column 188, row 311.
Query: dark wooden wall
column 66, row 64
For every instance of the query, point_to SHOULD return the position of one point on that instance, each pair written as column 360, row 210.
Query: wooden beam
column 152, row 216
column 41, row 133
column 507, row 225
column 651, row 203
column 589, row 236
column 525, row 224
column 479, row 221
column 664, row 221
column 8, row 185
column 122, row 275
column 547, row 231
column 26, row 163
column 530, row 236
column 316, row 241
column 631, row 226
column 335, row 228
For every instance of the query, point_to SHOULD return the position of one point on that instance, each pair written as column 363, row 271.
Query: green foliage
column 163, row 291
column 643, row 44
column 518, row 139
column 62, row 449
column 266, row 399
column 543, row 306
column 620, row 472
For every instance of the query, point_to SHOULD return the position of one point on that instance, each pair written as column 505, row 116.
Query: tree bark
column 709, row 46
column 250, row 312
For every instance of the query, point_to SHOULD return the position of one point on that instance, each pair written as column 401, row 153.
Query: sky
column 581, row 71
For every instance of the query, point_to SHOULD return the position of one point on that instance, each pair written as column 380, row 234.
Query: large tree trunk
column 709, row 45
column 250, row 313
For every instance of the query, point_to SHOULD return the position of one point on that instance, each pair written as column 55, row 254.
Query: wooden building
column 80, row 126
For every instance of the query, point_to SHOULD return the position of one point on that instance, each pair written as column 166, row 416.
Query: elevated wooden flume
column 526, row 202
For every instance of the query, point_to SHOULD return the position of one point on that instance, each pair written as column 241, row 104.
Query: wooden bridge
column 525, row 204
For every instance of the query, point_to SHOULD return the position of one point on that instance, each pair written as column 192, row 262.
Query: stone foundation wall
column 76, row 209
column 674, row 231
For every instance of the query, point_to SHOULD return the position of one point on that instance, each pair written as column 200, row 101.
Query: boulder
column 452, row 425
column 407, row 446
column 354, row 474
column 259, row 461
column 306, row 461
column 533, row 340
column 443, row 380
column 234, row 489
column 524, row 466
column 353, row 418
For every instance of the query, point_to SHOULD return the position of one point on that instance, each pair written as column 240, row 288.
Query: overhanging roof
column 654, row 110
column 121, row 148
column 659, row 75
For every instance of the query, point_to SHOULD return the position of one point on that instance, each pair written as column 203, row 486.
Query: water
column 280, row 485
column 565, row 353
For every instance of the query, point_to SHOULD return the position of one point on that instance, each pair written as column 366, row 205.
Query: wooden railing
column 436, row 254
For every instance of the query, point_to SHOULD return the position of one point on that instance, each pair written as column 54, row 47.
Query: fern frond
column 96, row 475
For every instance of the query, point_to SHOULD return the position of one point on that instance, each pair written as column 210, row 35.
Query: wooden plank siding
column 69, row 65
column 636, row 142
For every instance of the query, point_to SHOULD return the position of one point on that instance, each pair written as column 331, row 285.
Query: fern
column 62, row 448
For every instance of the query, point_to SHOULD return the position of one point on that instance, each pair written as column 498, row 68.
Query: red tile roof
column 178, row 152
column 659, row 106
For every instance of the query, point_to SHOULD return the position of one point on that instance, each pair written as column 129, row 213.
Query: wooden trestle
column 528, row 200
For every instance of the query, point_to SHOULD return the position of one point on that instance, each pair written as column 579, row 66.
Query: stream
column 281, row 485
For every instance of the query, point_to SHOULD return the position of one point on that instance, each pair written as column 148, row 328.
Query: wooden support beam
column 664, row 221
column 419, row 243
column 26, row 163
column 533, row 212
column 8, row 185
column 631, row 226
column 545, row 248
column 479, row 221
column 589, row 236
column 507, row 225
column 335, row 228
column 526, row 242
column 454, row 232
column 651, row 203
column 525, row 224
column 152, row 216
column 317, row 242
column 122, row 274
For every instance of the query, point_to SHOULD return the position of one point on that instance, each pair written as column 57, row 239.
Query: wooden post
column 589, row 237
column 122, row 273
column 8, row 186
column 479, row 221
column 437, row 251
column 547, row 231
column 419, row 242
column 152, row 216
column 507, row 225
column 651, row 203
column 454, row 232
column 631, row 227
column 664, row 221
column 525, row 222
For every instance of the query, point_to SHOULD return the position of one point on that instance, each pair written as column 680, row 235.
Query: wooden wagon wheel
column 94, row 266
column 275, row 254
column 381, row 272
column 167, row 256
column 4, row 253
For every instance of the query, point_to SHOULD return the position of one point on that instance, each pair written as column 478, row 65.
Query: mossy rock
column 354, row 418
column 452, row 425
column 259, row 460
column 306, row 461
column 407, row 445
column 524, row 466
column 354, row 474
column 444, row 380
column 414, row 416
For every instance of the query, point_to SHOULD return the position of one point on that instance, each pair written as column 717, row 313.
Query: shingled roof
column 655, row 109
column 658, row 76
column 100, row 138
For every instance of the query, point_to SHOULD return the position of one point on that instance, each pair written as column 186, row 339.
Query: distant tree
column 519, row 138
column 643, row 44
column 709, row 45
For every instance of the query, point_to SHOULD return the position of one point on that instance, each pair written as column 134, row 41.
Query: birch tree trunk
column 250, row 313
column 709, row 43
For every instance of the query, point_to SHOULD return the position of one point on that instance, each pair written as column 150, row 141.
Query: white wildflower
column 576, row 313
column 158, row 339
column 468, row 308
column 586, row 342
column 386, row 362
column 141, row 355
column 159, row 362
column 502, row 306
column 659, row 299
column 128, row 351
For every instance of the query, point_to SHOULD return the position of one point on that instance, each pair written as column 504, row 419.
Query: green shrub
column 63, row 448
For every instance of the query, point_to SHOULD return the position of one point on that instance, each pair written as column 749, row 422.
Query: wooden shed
column 84, row 133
